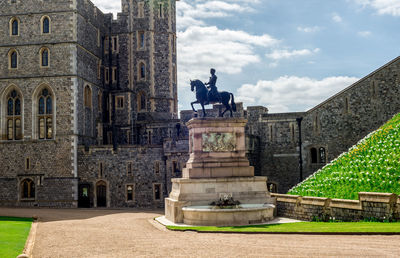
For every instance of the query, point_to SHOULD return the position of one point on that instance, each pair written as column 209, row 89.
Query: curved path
column 129, row 233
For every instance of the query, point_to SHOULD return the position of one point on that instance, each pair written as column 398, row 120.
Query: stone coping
column 218, row 180
column 378, row 197
column 216, row 122
column 388, row 198
column 244, row 209
column 346, row 204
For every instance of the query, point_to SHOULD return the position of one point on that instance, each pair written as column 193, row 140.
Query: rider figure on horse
column 212, row 94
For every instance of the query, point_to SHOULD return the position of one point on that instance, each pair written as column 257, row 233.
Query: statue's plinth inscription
column 218, row 142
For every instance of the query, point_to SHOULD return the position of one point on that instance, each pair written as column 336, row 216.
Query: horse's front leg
column 204, row 110
column 195, row 102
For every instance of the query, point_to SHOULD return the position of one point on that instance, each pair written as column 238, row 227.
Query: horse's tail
column 233, row 104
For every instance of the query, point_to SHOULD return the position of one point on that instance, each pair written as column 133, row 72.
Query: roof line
column 354, row 84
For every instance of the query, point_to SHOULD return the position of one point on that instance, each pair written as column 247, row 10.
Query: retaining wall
column 381, row 206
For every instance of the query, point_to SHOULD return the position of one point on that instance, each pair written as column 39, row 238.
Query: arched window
column 14, row 27
column 88, row 96
column 142, row 71
column 27, row 189
column 45, row 25
column 13, row 59
column 45, row 114
column 314, row 155
column 141, row 101
column 44, row 57
column 14, row 117
column 322, row 155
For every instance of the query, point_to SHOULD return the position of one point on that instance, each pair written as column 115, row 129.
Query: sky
column 287, row 55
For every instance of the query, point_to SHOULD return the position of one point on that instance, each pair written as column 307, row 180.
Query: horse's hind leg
column 204, row 111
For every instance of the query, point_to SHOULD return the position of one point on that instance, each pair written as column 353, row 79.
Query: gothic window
column 114, row 43
column 27, row 189
column 114, row 74
column 175, row 167
column 119, row 102
column 45, row 25
column 13, row 59
column 107, row 74
column 160, row 10
column 129, row 169
column 142, row 71
column 141, row 40
column 141, row 101
column 14, row 116
column 322, row 155
column 314, row 155
column 45, row 115
column 88, row 97
column 14, row 27
column 44, row 57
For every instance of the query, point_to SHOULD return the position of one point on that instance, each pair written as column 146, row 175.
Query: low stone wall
column 380, row 206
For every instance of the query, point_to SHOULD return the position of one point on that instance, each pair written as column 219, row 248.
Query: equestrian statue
column 212, row 96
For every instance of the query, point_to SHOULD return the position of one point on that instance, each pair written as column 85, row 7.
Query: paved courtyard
column 130, row 233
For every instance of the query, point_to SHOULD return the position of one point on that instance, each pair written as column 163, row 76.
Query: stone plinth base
column 244, row 215
column 197, row 192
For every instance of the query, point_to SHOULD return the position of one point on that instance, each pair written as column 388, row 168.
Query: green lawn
column 307, row 227
column 13, row 235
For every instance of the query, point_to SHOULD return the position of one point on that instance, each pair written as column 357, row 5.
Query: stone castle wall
column 335, row 125
column 379, row 206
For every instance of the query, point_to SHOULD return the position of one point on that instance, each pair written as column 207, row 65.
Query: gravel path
column 130, row 233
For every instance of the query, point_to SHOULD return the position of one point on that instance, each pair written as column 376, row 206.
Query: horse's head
column 196, row 84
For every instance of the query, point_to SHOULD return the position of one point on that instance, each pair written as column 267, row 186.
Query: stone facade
column 110, row 136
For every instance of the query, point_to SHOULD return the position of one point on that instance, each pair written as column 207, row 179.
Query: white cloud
column 107, row 6
column 390, row 7
column 292, row 93
column 228, row 51
column 285, row 54
column 309, row 29
column 336, row 18
column 364, row 34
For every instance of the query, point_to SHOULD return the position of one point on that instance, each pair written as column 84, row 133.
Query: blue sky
column 287, row 55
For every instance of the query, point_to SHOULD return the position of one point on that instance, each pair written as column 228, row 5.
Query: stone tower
column 81, row 94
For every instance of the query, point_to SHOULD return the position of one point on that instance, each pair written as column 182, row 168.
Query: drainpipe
column 299, row 119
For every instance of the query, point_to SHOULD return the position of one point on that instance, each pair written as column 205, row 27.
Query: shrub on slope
column 373, row 165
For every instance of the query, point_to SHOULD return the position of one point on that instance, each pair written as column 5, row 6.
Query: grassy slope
column 373, row 165
column 309, row 227
column 13, row 235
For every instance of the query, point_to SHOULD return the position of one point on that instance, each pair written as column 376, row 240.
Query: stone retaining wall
column 381, row 206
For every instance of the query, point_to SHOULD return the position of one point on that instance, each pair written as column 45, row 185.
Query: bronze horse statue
column 201, row 96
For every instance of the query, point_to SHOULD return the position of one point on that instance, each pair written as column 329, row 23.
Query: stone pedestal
column 217, row 166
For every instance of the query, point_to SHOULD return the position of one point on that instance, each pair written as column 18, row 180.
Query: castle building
column 87, row 103
column 88, row 109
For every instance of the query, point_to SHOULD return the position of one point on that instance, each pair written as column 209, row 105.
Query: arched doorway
column 101, row 194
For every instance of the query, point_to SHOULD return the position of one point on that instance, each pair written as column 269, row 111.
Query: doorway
column 101, row 194
column 84, row 196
